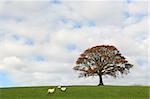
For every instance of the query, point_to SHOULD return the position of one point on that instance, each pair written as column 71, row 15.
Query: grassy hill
column 77, row 92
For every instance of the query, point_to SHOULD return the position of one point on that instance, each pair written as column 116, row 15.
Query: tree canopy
column 102, row 60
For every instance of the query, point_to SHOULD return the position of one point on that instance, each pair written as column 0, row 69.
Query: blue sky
column 5, row 80
column 41, row 40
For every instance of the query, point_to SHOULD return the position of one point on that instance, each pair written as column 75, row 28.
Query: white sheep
column 50, row 91
column 63, row 89
column 58, row 87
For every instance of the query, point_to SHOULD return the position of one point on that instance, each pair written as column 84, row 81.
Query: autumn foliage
column 102, row 60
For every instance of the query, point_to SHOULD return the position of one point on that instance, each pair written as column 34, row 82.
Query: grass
column 77, row 92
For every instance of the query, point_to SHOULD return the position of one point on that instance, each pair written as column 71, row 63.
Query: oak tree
column 102, row 60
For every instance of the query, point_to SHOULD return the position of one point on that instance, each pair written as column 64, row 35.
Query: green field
column 77, row 92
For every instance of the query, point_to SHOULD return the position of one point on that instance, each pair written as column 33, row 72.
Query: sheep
column 50, row 91
column 58, row 87
column 63, row 89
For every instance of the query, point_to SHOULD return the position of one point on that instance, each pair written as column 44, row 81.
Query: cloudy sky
column 41, row 40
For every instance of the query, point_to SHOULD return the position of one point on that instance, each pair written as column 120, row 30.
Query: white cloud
column 138, row 8
column 42, row 23
column 94, row 10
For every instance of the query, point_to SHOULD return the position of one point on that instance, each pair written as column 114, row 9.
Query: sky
column 41, row 40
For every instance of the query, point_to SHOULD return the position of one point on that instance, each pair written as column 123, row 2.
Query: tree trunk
column 100, row 80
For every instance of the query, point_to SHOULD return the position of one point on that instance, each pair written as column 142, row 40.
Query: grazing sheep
column 50, row 91
column 63, row 89
column 59, row 87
